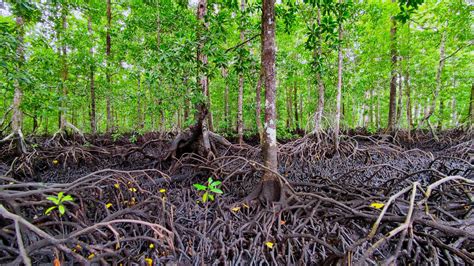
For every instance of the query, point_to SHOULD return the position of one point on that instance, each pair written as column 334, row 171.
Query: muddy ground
column 378, row 200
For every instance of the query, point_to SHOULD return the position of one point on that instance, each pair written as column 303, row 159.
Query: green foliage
column 210, row 189
column 58, row 202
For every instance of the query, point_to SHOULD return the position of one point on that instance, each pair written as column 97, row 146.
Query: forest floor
column 378, row 200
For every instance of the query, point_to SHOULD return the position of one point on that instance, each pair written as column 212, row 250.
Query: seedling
column 210, row 190
column 59, row 203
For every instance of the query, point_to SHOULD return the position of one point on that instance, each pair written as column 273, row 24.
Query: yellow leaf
column 236, row 209
column 149, row 261
column 151, row 245
column 116, row 185
column 162, row 190
column 108, row 205
column 55, row 161
column 269, row 244
column 245, row 206
column 91, row 256
column 377, row 205
column 133, row 189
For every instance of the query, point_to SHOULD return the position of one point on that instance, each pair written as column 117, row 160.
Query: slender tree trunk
column 441, row 112
column 93, row 122
column 271, row 186
column 400, row 99
column 409, row 105
column 258, row 109
column 431, row 108
column 186, row 99
column 64, row 71
column 371, row 108
column 454, row 115
column 393, row 81
column 240, row 122
column 225, row 75
column 339, row 88
column 109, row 128
column 139, row 103
column 471, row 107
column 17, row 116
column 318, row 116
column 295, row 105
column 202, row 75
column 289, row 108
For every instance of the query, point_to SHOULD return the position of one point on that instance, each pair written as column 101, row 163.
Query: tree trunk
column 202, row 75
column 295, row 105
column 186, row 100
column 64, row 71
column 431, row 108
column 93, row 122
column 17, row 116
column 109, row 128
column 471, row 107
column 258, row 109
column 225, row 74
column 393, row 80
column 318, row 116
column 270, row 184
column 339, row 88
column 400, row 99
column 240, row 122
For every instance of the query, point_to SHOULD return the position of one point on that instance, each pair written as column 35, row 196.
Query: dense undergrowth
column 379, row 199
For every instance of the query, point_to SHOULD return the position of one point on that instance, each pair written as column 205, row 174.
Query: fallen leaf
column 56, row 262
column 282, row 222
column 133, row 189
column 91, row 256
column 108, row 205
column 245, row 206
column 377, row 205
column 117, row 185
column 151, row 246
column 162, row 190
column 149, row 261
column 55, row 161
column 269, row 244
column 236, row 209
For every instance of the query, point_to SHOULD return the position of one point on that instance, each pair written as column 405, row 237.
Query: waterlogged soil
column 132, row 206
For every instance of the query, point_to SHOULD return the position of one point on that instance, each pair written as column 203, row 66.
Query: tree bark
column 318, row 116
column 225, row 75
column 339, row 87
column 17, row 116
column 258, row 109
column 93, row 122
column 202, row 75
column 393, row 80
column 439, row 72
column 109, row 122
column 270, row 184
column 471, row 107
column 64, row 71
column 400, row 99
column 295, row 105
column 240, row 122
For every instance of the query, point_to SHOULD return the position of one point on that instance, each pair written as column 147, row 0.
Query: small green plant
column 209, row 190
column 58, row 202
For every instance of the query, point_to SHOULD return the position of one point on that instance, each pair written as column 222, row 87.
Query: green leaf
column 67, row 198
column 50, row 209
column 204, row 197
column 216, row 190
column 62, row 210
column 60, row 195
column 210, row 180
column 53, row 199
column 200, row 187
column 216, row 183
column 211, row 197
